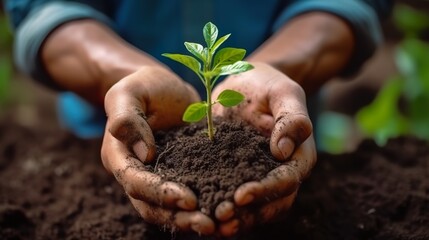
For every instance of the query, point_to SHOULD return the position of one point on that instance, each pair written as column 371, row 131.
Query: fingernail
column 140, row 149
column 183, row 204
column 248, row 198
column 286, row 147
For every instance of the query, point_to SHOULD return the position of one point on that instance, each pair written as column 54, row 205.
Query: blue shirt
column 158, row 26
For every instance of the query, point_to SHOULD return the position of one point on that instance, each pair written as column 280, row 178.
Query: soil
column 213, row 169
column 53, row 186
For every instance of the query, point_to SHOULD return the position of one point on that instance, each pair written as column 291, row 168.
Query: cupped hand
column 267, row 200
column 150, row 99
column 276, row 106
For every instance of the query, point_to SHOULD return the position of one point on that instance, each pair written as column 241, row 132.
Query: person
column 107, row 54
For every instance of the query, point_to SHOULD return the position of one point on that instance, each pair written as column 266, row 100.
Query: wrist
column 311, row 48
column 86, row 57
column 114, row 65
column 113, row 59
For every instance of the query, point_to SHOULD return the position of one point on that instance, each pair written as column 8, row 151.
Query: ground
column 53, row 186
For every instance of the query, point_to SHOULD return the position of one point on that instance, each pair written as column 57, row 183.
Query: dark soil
column 213, row 169
column 53, row 186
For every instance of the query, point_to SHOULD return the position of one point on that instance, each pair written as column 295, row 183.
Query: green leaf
column 195, row 112
column 210, row 33
column 5, row 77
column 410, row 20
column 227, row 56
column 408, row 69
column 413, row 63
column 237, row 67
column 219, row 42
column 5, row 34
column 382, row 119
column 419, row 116
column 197, row 50
column 230, row 98
column 186, row 60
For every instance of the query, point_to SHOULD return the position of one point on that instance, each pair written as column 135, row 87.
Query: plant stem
column 208, row 81
column 209, row 114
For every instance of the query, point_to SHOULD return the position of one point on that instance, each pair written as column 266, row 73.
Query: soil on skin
column 53, row 186
column 213, row 169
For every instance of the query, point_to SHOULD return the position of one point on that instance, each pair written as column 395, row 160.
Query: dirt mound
column 213, row 169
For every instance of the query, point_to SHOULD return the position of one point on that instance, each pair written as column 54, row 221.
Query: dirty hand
column 152, row 98
column 276, row 106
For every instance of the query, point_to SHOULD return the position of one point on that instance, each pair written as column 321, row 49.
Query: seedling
column 209, row 65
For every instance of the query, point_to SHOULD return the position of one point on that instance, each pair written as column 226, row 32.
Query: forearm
column 311, row 49
column 86, row 57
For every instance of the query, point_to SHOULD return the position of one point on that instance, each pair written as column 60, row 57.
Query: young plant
column 209, row 64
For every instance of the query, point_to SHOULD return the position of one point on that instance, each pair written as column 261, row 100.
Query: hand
column 152, row 98
column 275, row 105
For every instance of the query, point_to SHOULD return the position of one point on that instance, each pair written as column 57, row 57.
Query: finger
column 181, row 220
column 263, row 122
column 224, row 211
column 268, row 212
column 140, row 183
column 133, row 131
column 253, row 110
column 288, row 133
column 229, row 228
column 292, row 123
column 276, row 209
column 126, row 119
column 193, row 94
column 281, row 181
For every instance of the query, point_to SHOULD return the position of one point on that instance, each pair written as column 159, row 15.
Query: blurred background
column 22, row 101
column 388, row 98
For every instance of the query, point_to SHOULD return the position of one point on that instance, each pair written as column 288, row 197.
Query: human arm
column 309, row 49
column 136, row 105
column 85, row 56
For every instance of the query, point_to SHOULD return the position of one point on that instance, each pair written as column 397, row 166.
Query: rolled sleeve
column 38, row 24
column 362, row 18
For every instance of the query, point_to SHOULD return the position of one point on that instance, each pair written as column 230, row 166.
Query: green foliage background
column 402, row 105
column 6, row 67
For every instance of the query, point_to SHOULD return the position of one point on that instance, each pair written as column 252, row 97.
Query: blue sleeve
column 33, row 21
column 364, row 17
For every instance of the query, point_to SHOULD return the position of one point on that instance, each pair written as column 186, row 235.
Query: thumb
column 292, row 125
column 126, row 121
column 134, row 132
column 288, row 133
